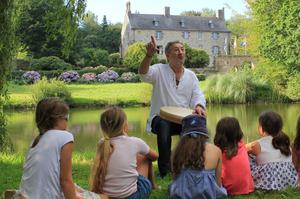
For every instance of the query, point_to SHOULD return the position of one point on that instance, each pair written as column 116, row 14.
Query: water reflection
column 84, row 123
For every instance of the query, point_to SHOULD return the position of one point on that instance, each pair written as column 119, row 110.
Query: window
column 160, row 50
column 181, row 23
column 185, row 35
column 215, row 35
column 210, row 24
column 155, row 22
column 215, row 50
column 158, row 35
column 199, row 35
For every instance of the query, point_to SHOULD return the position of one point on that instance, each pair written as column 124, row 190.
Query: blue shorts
column 144, row 188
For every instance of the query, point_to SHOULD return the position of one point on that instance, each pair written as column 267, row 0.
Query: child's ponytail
column 271, row 122
column 100, row 166
column 282, row 142
column 112, row 123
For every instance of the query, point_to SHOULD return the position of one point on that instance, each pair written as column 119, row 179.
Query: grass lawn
column 124, row 94
column 11, row 172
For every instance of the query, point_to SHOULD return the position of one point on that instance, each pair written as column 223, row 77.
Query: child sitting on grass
column 271, row 166
column 196, row 164
column 236, row 173
column 48, row 166
column 122, row 164
column 296, row 150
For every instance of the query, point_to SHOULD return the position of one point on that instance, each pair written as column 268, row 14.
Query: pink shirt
column 236, row 173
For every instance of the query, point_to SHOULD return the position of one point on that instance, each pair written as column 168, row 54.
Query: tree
column 135, row 54
column 195, row 58
column 9, row 12
column 278, row 22
column 205, row 12
column 50, row 27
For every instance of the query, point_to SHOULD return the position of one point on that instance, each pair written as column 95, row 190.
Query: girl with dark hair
column 234, row 155
column 296, row 150
column 123, row 164
column 271, row 165
column 196, row 164
column 48, row 165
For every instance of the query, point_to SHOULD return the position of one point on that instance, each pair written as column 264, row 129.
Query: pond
column 84, row 123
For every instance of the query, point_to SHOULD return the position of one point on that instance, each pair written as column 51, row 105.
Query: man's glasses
column 66, row 117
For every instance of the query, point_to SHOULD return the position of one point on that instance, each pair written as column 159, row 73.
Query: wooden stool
column 8, row 194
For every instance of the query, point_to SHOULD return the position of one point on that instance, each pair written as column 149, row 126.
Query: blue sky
column 115, row 9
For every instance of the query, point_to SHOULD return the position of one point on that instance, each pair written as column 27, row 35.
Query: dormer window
column 181, row 23
column 210, row 24
column 155, row 22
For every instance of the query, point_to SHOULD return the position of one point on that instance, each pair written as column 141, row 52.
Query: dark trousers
column 164, row 131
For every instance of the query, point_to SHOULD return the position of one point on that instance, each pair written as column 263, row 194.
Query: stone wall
column 224, row 63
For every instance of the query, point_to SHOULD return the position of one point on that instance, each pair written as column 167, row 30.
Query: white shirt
column 166, row 93
column 41, row 171
column 121, row 177
column 269, row 153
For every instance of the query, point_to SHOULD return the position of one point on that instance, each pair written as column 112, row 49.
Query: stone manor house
column 207, row 33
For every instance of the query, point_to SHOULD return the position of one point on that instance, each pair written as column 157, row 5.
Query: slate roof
column 172, row 22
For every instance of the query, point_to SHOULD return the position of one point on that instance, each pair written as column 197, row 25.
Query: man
column 173, row 85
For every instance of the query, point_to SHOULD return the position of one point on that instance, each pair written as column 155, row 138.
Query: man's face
column 176, row 54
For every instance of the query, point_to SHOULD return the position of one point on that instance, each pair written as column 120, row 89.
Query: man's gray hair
column 169, row 44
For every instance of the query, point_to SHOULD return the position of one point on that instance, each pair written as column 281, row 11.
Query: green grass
column 11, row 172
column 124, row 94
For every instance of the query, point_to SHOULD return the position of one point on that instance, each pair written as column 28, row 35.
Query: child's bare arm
column 253, row 148
column 66, row 180
column 219, row 169
column 152, row 155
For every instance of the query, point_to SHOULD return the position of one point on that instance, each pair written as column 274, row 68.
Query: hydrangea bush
column 31, row 77
column 69, row 76
column 107, row 76
column 129, row 77
column 89, row 77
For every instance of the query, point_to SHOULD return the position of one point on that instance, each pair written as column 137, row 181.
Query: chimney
column 128, row 11
column 167, row 11
column 220, row 14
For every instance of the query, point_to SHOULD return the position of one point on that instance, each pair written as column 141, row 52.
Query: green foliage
column 134, row 56
column 50, row 63
column 293, row 87
column 205, row 12
column 50, row 88
column 201, row 76
column 195, row 58
column 279, row 30
column 129, row 77
column 276, row 75
column 95, row 56
column 50, row 27
column 115, row 59
column 9, row 12
column 96, row 70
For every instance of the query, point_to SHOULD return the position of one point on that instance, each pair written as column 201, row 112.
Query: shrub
column 134, row 56
column 201, row 76
column 119, row 70
column 31, row 77
column 69, row 76
column 129, row 77
column 50, row 88
column 293, row 87
column 107, row 76
column 88, row 77
column 95, row 56
column 115, row 59
column 50, row 63
column 97, row 70
column 195, row 58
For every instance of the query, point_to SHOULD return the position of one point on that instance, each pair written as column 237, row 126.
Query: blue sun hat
column 194, row 125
